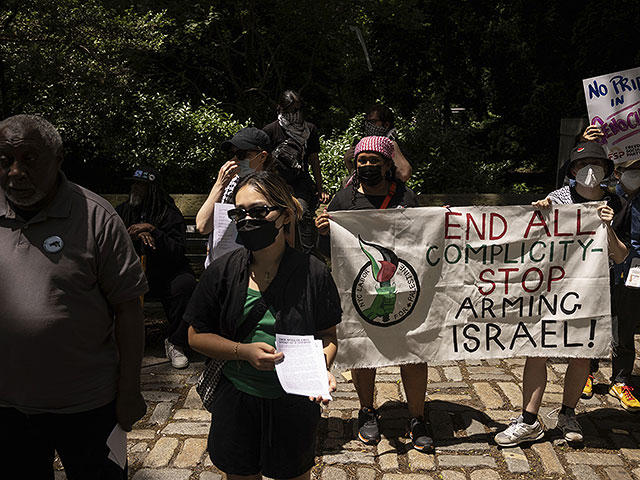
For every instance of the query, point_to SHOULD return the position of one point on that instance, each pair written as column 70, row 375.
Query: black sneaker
column 419, row 436
column 368, row 427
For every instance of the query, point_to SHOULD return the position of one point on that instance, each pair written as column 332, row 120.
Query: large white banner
column 427, row 284
column 613, row 103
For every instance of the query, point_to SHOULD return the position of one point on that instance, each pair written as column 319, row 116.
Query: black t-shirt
column 343, row 200
column 278, row 135
column 305, row 303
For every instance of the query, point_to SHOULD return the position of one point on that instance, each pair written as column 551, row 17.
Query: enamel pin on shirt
column 53, row 244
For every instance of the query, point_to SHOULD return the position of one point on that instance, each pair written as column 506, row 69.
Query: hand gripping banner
column 436, row 284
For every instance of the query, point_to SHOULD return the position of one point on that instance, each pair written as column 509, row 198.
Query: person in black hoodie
column 158, row 231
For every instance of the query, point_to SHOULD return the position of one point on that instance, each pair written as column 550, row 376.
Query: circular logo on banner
column 53, row 244
column 391, row 282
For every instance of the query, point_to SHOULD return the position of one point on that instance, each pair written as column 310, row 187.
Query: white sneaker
column 519, row 432
column 571, row 429
column 176, row 355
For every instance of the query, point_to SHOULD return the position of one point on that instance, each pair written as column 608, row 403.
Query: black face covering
column 370, row 175
column 256, row 234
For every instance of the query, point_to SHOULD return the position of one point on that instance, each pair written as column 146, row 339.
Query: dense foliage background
column 165, row 82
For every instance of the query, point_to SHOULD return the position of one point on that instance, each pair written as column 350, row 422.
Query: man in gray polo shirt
column 71, row 326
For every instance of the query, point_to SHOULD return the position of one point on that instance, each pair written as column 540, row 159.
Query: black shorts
column 251, row 435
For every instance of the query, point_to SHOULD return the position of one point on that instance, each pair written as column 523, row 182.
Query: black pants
column 305, row 193
column 28, row 443
column 626, row 302
column 174, row 293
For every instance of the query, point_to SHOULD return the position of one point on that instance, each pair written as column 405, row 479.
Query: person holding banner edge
column 258, row 428
column 375, row 186
column 588, row 165
column 624, row 299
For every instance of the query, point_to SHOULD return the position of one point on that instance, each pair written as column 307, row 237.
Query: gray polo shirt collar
column 60, row 206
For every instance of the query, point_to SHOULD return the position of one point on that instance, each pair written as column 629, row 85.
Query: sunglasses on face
column 242, row 154
column 259, row 212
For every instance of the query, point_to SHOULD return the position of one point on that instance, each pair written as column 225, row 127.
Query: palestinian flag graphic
column 383, row 271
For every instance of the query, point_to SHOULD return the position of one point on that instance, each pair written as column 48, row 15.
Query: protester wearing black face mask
column 256, row 232
column 375, row 180
column 265, row 288
column 375, row 186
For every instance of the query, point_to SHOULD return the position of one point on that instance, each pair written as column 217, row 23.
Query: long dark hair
column 153, row 208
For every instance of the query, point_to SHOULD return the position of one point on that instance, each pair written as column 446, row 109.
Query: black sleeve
column 313, row 142
column 337, row 203
column 411, row 199
column 621, row 223
column 327, row 307
column 341, row 200
column 203, row 310
column 171, row 235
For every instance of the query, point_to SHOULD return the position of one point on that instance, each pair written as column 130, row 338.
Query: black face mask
column 256, row 233
column 370, row 175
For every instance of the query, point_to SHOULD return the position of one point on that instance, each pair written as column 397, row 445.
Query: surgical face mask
column 631, row 179
column 256, row 233
column 590, row 176
column 244, row 168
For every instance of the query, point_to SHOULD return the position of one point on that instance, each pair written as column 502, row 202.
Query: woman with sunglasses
column 256, row 428
column 251, row 150
column 375, row 186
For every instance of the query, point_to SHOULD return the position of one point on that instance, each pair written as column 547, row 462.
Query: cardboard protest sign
column 613, row 103
column 432, row 284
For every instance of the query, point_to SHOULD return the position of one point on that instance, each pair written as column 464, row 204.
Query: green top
column 246, row 378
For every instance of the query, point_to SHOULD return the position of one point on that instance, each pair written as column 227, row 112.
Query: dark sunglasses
column 259, row 212
column 242, row 154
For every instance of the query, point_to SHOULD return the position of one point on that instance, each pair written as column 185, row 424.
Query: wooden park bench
column 196, row 247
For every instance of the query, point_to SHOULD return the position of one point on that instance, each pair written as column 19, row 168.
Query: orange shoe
column 587, row 391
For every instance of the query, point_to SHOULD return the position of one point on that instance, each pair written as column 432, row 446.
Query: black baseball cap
column 588, row 150
column 145, row 175
column 247, row 139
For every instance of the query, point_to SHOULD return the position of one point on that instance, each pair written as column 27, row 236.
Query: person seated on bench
column 158, row 231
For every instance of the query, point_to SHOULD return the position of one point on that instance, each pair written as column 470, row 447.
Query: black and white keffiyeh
column 562, row 196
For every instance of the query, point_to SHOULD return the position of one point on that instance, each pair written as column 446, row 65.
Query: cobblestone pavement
column 467, row 402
